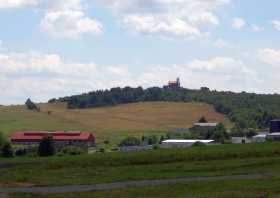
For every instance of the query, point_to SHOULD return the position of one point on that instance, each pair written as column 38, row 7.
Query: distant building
column 273, row 136
column 206, row 125
column 174, row 84
column 240, row 140
column 275, row 126
column 61, row 139
column 183, row 143
column 260, row 138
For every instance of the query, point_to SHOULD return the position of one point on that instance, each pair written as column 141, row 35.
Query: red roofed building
column 174, row 84
column 61, row 139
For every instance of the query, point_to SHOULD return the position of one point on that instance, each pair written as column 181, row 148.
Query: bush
column 130, row 141
column 7, row 150
column 2, row 139
column 46, row 147
column 72, row 150
column 198, row 144
column 21, row 152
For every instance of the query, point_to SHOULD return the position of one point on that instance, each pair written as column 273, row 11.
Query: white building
column 261, row 138
column 240, row 140
column 182, row 143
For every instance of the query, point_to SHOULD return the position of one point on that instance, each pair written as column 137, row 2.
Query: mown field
column 267, row 188
column 158, row 164
column 109, row 123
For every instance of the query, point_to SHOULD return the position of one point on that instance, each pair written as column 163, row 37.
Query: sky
column 54, row 48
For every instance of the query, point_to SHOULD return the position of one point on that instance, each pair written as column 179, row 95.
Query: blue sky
column 55, row 48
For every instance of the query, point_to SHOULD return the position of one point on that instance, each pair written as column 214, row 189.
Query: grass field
column 110, row 123
column 157, row 164
column 221, row 189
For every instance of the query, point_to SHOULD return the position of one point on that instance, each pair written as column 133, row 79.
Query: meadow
column 158, row 164
column 267, row 188
column 109, row 123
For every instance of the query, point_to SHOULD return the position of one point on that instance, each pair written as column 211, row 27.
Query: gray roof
column 206, row 124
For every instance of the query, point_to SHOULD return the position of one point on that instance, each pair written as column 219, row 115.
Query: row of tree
column 247, row 110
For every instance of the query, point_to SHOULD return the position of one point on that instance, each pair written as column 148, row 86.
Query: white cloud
column 69, row 24
column 270, row 56
column 255, row 28
column 183, row 18
column 17, row 3
column 276, row 25
column 238, row 23
column 221, row 43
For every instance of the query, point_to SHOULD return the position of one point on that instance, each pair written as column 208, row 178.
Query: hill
column 247, row 110
column 109, row 123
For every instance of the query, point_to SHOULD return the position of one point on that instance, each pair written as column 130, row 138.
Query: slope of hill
column 110, row 123
column 247, row 110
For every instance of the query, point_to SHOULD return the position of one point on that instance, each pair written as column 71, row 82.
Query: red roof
column 34, row 136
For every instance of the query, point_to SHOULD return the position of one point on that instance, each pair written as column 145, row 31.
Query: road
column 123, row 185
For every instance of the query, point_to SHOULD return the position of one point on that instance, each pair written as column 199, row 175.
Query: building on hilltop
column 174, row 84
column 60, row 139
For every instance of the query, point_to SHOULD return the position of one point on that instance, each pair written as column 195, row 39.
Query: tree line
column 247, row 110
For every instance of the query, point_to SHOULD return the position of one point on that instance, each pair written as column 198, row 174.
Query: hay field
column 112, row 123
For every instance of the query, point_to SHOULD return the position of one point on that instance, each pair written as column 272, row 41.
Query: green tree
column 46, row 147
column 2, row 139
column 130, row 141
column 7, row 150
column 31, row 105
column 202, row 120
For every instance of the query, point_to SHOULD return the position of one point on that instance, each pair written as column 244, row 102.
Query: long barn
column 60, row 138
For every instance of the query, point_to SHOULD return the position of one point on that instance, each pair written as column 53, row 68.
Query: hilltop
column 109, row 123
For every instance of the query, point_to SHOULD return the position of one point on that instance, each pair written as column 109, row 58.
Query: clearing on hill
column 110, row 123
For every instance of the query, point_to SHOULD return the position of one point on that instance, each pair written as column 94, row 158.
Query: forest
column 246, row 110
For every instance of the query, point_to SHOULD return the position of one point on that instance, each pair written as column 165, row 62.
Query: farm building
column 61, row 139
column 174, row 84
column 183, row 143
column 274, row 136
column 260, row 138
column 240, row 140
column 206, row 125
column 275, row 126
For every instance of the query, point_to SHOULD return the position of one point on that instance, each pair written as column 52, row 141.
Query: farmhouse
column 183, row 143
column 61, row 139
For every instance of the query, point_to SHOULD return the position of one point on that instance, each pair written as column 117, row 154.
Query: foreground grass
column 158, row 164
column 109, row 123
column 228, row 189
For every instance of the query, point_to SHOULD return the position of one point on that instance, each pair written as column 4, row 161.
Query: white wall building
column 182, row 143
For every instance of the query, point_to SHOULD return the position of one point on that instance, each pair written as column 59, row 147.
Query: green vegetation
column 7, row 150
column 31, row 105
column 46, row 147
column 130, row 141
column 156, row 164
column 71, row 150
column 264, row 188
column 248, row 110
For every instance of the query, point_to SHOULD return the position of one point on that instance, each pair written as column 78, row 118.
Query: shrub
column 198, row 144
column 72, row 150
column 21, row 152
column 46, row 147
column 2, row 139
column 7, row 150
column 130, row 141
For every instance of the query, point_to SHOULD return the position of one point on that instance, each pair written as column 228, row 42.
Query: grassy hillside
column 112, row 123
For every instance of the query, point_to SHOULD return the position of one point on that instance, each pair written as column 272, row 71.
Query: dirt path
column 122, row 185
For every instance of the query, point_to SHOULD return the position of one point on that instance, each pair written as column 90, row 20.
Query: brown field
column 112, row 123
